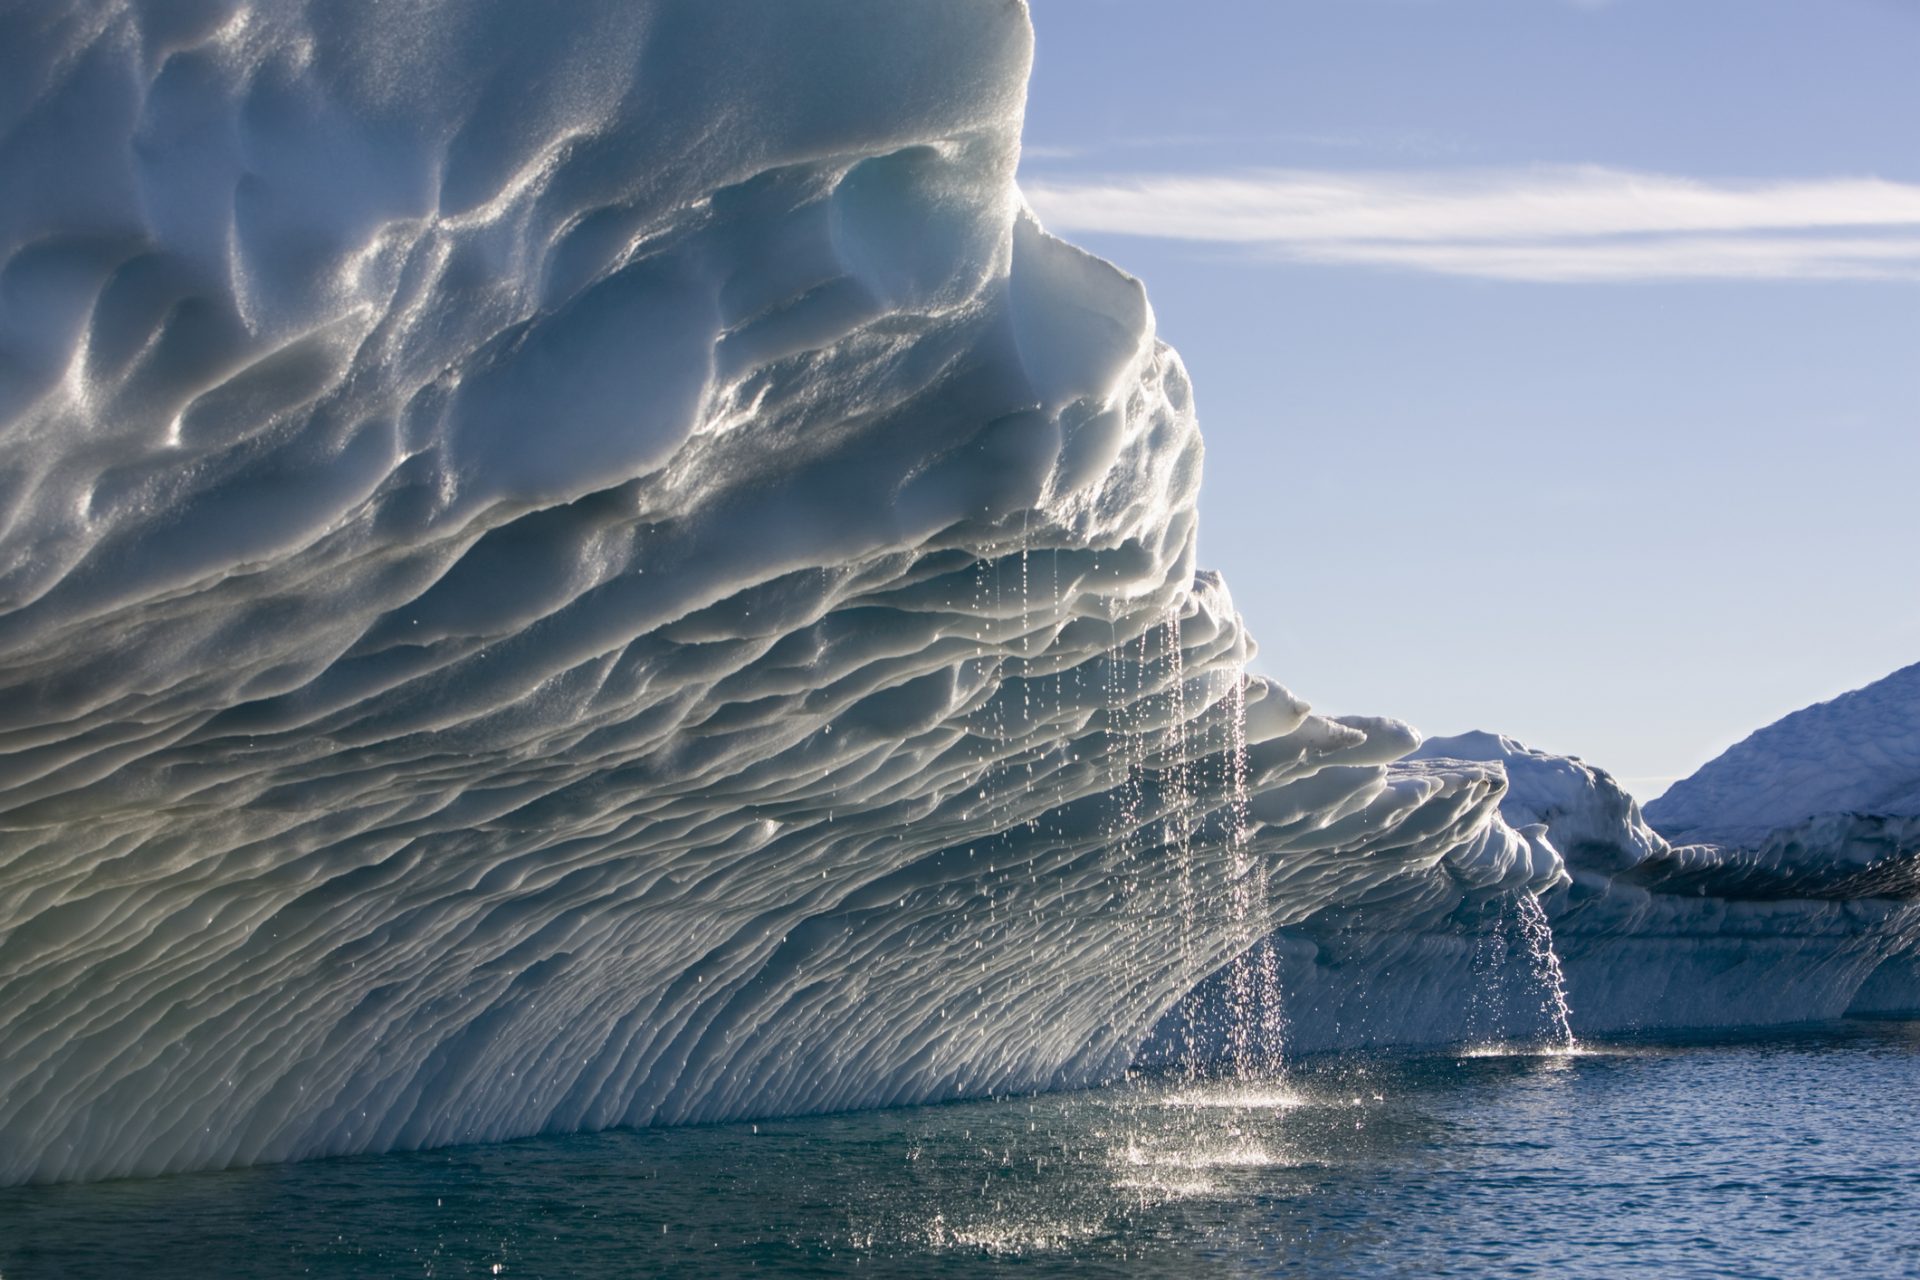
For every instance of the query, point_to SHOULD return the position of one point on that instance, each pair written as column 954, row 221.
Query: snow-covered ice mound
column 590, row 566
column 1836, row 782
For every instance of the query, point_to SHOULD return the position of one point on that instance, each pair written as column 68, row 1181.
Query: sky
column 1558, row 362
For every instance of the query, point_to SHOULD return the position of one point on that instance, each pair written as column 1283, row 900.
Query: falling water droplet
column 1538, row 931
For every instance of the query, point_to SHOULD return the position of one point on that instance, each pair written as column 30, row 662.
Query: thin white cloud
column 1543, row 224
column 1651, row 258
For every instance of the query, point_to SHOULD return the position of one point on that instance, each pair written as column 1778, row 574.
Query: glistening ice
column 573, row 568
column 589, row 566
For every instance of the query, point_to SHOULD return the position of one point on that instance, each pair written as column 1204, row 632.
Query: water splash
column 1538, row 932
column 1488, row 997
column 1258, row 1030
column 1123, row 787
column 1236, row 1096
column 1179, row 825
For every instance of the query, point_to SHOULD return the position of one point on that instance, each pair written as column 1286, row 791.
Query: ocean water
column 1790, row 1154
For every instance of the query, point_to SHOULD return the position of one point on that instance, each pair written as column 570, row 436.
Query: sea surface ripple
column 1784, row 1154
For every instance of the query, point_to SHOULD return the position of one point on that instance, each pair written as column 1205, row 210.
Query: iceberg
column 574, row 569
column 1785, row 909
column 562, row 570
column 1800, row 792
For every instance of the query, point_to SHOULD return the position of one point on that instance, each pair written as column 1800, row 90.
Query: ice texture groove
column 569, row 568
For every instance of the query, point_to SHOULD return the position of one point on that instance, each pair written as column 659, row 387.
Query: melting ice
column 560, row 571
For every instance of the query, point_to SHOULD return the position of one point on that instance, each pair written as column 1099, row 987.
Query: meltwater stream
column 1788, row 1155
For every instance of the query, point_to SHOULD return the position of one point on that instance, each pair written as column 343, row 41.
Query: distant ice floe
column 573, row 568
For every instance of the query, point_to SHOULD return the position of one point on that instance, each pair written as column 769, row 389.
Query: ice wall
column 590, row 566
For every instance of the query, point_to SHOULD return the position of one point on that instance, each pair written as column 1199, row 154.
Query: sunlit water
column 1796, row 1154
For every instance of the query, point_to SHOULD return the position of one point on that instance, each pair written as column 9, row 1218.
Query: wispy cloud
column 1399, row 143
column 1044, row 151
column 1569, row 224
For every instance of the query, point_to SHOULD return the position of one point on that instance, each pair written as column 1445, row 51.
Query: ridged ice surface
column 565, row 567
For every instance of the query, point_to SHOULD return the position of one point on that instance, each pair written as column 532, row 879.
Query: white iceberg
column 573, row 568
column 1809, row 920
column 1833, row 788
column 568, row 568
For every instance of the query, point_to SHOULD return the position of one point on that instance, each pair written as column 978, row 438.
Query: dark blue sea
column 1786, row 1155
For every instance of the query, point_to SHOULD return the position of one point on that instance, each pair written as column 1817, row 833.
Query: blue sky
column 1559, row 363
